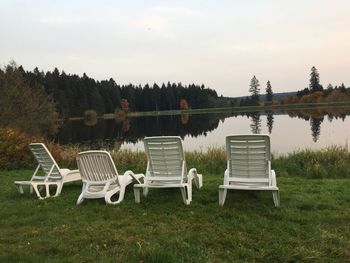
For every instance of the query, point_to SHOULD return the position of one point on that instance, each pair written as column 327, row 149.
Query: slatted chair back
column 248, row 158
column 46, row 161
column 97, row 166
column 166, row 161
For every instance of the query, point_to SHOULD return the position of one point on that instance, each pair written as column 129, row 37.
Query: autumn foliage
column 184, row 104
column 15, row 153
column 124, row 105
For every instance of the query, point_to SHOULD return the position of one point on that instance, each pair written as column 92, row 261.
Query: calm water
column 289, row 131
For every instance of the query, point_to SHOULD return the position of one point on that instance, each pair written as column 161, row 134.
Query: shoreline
column 240, row 109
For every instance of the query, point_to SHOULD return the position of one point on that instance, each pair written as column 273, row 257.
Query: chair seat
column 70, row 175
column 250, row 187
column 170, row 185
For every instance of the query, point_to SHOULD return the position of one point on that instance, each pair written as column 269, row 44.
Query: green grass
column 331, row 162
column 312, row 225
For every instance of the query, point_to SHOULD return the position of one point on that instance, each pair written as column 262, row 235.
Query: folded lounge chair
column 166, row 168
column 249, row 166
column 53, row 175
column 100, row 177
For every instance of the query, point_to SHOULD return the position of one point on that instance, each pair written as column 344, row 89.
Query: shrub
column 15, row 153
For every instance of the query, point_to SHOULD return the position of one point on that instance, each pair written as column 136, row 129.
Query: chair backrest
column 165, row 157
column 248, row 157
column 97, row 166
column 46, row 161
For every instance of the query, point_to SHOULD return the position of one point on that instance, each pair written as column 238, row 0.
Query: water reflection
column 316, row 128
column 255, row 125
column 107, row 132
column 269, row 121
column 112, row 134
column 316, row 117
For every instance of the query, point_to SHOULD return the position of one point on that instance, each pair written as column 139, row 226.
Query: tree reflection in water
column 315, row 128
column 110, row 134
column 255, row 124
column 269, row 121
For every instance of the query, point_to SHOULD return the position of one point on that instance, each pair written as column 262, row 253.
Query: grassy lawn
column 312, row 225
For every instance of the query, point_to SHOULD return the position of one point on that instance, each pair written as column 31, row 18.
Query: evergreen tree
column 342, row 88
column 315, row 81
column 328, row 91
column 255, row 90
column 269, row 93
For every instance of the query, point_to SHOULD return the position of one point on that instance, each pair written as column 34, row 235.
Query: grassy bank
column 312, row 225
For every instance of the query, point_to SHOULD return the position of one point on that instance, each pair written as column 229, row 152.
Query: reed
column 331, row 162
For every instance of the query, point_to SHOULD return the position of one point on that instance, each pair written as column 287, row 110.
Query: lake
column 289, row 130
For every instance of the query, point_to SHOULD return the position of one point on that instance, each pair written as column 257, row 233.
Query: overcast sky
column 221, row 44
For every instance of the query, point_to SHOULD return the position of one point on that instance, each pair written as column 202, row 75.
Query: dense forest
column 74, row 94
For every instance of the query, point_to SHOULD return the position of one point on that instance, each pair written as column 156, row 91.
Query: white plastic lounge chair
column 249, row 166
column 53, row 175
column 166, row 168
column 100, row 177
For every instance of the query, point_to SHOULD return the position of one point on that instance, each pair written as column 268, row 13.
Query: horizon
column 201, row 42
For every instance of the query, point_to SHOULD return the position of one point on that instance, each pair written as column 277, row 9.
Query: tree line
column 312, row 94
column 74, row 94
column 316, row 93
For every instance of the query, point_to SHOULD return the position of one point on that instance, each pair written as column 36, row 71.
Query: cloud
column 54, row 20
column 58, row 21
column 171, row 11
column 162, row 21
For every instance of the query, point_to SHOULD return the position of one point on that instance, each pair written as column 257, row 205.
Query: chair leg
column 35, row 186
column 145, row 191
column 59, row 189
column 276, row 198
column 185, row 195
column 137, row 194
column 80, row 199
column 222, row 196
column 198, row 180
column 20, row 188
column 47, row 189
column 189, row 192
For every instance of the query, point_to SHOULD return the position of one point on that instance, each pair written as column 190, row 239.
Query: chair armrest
column 135, row 177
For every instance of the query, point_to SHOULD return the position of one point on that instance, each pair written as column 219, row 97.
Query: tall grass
column 211, row 161
column 331, row 162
